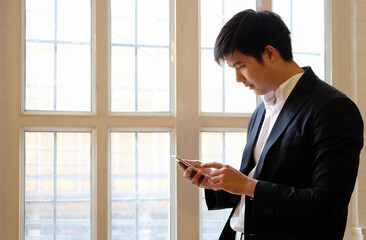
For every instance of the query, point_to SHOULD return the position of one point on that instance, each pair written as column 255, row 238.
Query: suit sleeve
column 220, row 199
column 337, row 137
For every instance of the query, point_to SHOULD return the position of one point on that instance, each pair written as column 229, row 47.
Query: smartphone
column 187, row 164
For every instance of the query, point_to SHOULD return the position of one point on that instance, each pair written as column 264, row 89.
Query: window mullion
column 187, row 127
column 264, row 4
column 100, row 76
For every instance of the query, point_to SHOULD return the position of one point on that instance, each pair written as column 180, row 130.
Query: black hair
column 250, row 32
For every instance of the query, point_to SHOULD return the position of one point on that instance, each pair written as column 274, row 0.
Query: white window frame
column 185, row 120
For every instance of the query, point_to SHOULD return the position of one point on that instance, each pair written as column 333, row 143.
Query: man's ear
column 271, row 53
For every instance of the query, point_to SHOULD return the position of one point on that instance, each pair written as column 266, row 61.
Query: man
column 301, row 160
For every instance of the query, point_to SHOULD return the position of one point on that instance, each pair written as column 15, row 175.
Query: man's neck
column 285, row 71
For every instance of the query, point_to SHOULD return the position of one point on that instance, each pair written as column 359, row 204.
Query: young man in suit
column 300, row 163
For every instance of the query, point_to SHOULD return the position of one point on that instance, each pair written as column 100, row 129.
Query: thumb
column 215, row 165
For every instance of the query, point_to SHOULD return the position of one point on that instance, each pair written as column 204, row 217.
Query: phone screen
column 187, row 164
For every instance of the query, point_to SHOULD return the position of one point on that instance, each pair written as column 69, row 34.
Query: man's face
column 253, row 74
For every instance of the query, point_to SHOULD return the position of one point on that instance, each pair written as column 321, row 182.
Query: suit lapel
column 293, row 104
column 247, row 160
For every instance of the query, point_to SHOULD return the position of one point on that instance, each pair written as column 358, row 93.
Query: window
column 140, row 73
column 140, row 185
column 219, row 91
column 58, row 55
column 57, row 198
column 80, row 171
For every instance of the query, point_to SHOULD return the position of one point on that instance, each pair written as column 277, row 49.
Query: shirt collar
column 282, row 93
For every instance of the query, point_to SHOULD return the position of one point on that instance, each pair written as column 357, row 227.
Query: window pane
column 73, row 20
column 140, row 185
column 219, row 90
column 153, row 22
column 40, row 19
column 73, row 77
column 153, row 79
column 140, row 63
column 308, row 34
column 227, row 148
column 58, row 59
column 123, row 21
column 57, row 185
column 123, row 75
column 40, row 76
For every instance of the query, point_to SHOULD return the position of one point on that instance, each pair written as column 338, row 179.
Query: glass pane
column 73, row 20
column 123, row 21
column 153, row 220
column 219, row 90
column 153, row 79
column 308, row 34
column 123, row 75
column 140, row 185
column 153, row 22
column 123, row 220
column 40, row 76
column 40, row 19
column 57, row 185
column 211, row 83
column 140, row 59
column 73, row 78
column 58, row 58
column 227, row 148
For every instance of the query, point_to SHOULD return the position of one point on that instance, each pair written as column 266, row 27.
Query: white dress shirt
column 273, row 102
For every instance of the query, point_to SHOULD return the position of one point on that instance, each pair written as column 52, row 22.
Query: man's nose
column 239, row 76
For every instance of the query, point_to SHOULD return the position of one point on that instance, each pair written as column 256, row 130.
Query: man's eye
column 242, row 66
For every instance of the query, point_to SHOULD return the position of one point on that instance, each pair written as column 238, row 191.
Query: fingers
column 215, row 165
column 197, row 178
column 219, row 169
column 224, row 177
column 195, row 163
column 216, row 183
column 192, row 162
column 205, row 183
column 201, row 181
column 192, row 175
column 182, row 166
column 187, row 173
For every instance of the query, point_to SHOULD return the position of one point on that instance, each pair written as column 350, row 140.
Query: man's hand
column 229, row 179
column 193, row 177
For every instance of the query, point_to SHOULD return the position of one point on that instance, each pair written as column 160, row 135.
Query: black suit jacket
column 307, row 169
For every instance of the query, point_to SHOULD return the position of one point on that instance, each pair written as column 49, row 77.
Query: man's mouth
column 250, row 86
